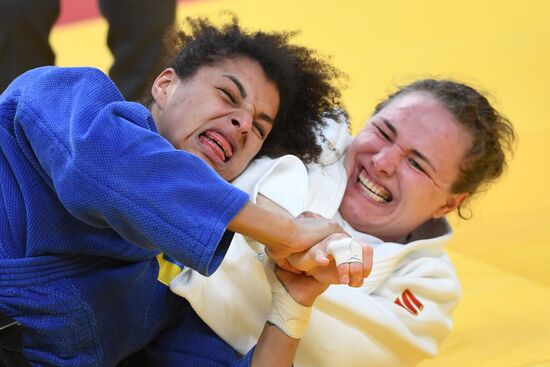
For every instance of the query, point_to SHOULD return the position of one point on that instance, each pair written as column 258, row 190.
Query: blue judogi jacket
column 84, row 172
column 87, row 183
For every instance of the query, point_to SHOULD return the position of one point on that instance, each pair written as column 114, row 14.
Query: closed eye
column 260, row 130
column 415, row 165
column 386, row 136
column 228, row 94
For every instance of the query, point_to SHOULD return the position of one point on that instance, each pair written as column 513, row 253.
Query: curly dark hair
column 492, row 134
column 306, row 83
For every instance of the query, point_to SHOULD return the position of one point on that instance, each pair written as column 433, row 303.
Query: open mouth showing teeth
column 218, row 143
column 375, row 192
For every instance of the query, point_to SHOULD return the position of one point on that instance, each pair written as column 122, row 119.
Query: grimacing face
column 222, row 114
column 401, row 167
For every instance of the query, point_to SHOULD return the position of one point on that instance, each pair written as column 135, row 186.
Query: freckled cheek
column 348, row 166
column 409, row 187
column 366, row 145
column 350, row 158
column 358, row 143
column 416, row 192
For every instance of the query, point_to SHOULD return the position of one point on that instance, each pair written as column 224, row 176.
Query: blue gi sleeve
column 110, row 168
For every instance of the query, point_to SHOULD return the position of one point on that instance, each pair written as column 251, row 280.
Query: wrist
column 285, row 312
column 288, row 315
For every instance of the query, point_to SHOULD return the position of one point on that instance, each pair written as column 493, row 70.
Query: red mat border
column 77, row 10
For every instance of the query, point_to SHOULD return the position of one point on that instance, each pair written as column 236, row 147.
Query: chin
column 365, row 218
column 354, row 215
column 227, row 177
column 367, row 210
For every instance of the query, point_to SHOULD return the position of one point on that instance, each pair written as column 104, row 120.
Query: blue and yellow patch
column 168, row 269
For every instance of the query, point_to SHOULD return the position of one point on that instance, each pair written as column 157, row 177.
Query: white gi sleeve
column 401, row 322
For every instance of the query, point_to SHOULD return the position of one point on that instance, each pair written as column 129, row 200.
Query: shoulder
column 53, row 81
column 282, row 180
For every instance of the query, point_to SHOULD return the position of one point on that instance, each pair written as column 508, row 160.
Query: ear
column 161, row 86
column 453, row 202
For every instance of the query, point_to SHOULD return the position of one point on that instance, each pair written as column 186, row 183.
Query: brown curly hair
column 492, row 134
column 306, row 83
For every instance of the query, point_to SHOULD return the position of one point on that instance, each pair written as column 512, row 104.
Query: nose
column 242, row 120
column 386, row 160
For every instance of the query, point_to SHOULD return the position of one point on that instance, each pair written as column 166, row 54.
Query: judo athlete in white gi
column 425, row 150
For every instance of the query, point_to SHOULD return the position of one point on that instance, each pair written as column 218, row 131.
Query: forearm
column 293, row 296
column 274, row 348
column 274, row 230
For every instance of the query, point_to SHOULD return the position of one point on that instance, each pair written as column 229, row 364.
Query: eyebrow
column 242, row 92
column 414, row 151
column 238, row 83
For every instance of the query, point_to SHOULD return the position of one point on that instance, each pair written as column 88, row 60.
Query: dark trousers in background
column 136, row 30
column 11, row 343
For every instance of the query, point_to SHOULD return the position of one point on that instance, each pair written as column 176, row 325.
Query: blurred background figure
column 136, row 28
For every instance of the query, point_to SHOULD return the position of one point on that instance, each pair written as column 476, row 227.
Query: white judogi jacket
column 399, row 316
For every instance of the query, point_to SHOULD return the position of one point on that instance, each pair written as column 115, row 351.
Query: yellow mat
column 503, row 47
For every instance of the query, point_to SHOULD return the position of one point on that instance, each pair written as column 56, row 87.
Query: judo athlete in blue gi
column 96, row 193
